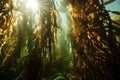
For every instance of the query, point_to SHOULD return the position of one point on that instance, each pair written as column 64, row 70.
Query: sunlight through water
column 32, row 4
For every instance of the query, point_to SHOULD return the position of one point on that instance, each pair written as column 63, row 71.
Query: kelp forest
column 59, row 40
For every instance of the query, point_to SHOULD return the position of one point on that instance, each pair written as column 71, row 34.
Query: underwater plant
column 59, row 39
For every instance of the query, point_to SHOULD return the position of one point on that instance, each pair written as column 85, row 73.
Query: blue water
column 115, row 6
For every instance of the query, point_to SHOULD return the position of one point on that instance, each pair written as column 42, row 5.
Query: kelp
column 28, row 50
column 95, row 46
column 25, row 46
column 108, row 2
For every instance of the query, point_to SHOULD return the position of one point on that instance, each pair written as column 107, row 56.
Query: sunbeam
column 32, row 4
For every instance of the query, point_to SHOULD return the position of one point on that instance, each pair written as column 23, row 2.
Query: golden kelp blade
column 58, row 40
column 93, row 40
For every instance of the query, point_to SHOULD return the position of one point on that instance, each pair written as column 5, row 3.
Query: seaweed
column 31, row 50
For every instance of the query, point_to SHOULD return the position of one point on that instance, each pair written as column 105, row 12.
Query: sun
column 32, row 4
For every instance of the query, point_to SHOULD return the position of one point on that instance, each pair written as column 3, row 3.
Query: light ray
column 32, row 4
